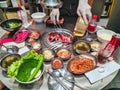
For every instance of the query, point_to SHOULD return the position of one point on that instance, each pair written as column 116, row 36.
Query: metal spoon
column 58, row 80
column 71, row 81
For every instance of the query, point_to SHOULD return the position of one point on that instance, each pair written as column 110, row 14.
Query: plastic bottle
column 91, row 29
column 93, row 24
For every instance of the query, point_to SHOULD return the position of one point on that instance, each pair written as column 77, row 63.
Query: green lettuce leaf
column 22, row 68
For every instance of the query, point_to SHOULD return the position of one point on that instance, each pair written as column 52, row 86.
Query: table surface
column 42, row 83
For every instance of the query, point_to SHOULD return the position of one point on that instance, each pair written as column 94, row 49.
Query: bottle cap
column 94, row 17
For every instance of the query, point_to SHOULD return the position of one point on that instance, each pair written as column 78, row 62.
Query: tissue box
column 5, row 3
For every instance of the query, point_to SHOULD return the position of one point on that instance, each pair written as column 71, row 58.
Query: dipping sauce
column 57, row 63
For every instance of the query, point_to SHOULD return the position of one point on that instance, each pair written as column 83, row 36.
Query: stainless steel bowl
column 8, row 59
column 48, row 53
column 53, row 85
column 81, row 47
column 64, row 53
column 12, row 49
column 37, row 77
column 82, row 63
column 50, row 4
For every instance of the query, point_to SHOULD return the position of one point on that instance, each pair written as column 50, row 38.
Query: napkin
column 97, row 74
column 23, row 50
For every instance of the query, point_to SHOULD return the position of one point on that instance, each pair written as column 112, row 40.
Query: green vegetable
column 23, row 67
column 14, row 25
column 13, row 68
column 37, row 68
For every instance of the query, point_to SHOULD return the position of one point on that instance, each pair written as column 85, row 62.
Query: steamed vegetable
column 22, row 69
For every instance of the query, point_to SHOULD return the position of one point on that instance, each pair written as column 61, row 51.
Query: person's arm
column 84, row 10
column 54, row 15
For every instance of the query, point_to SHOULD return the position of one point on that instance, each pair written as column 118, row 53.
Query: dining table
column 42, row 84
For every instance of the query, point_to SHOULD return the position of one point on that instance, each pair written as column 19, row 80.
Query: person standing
column 73, row 8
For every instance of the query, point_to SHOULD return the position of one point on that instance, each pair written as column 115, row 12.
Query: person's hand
column 54, row 15
column 84, row 10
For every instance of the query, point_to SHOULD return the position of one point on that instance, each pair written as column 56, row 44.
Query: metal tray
column 57, row 44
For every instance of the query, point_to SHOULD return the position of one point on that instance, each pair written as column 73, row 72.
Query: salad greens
column 22, row 68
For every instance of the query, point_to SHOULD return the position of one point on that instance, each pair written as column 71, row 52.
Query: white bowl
column 105, row 36
column 38, row 16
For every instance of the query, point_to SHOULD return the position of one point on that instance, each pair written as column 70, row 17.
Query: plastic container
column 93, row 24
column 91, row 29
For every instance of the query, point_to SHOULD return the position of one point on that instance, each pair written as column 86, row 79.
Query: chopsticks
column 58, row 80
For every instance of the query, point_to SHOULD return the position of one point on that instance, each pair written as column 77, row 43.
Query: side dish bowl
column 105, row 35
column 38, row 16
column 63, row 53
column 81, row 63
column 8, row 59
column 81, row 47
column 48, row 53
column 11, row 24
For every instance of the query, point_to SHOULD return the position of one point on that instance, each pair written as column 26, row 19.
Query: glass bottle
column 91, row 29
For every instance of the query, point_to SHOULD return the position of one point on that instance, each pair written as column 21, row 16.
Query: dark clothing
column 69, row 11
column 69, row 7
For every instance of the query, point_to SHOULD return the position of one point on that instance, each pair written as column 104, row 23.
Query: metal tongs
column 58, row 80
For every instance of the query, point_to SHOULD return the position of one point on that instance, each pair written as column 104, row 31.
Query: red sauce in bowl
column 57, row 63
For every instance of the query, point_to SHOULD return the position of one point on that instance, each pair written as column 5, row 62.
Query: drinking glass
column 103, row 56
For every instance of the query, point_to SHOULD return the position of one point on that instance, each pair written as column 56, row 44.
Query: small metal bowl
column 21, row 36
column 48, row 53
column 63, row 53
column 95, row 46
column 81, row 47
column 34, row 34
column 57, row 63
column 7, row 60
column 12, row 49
